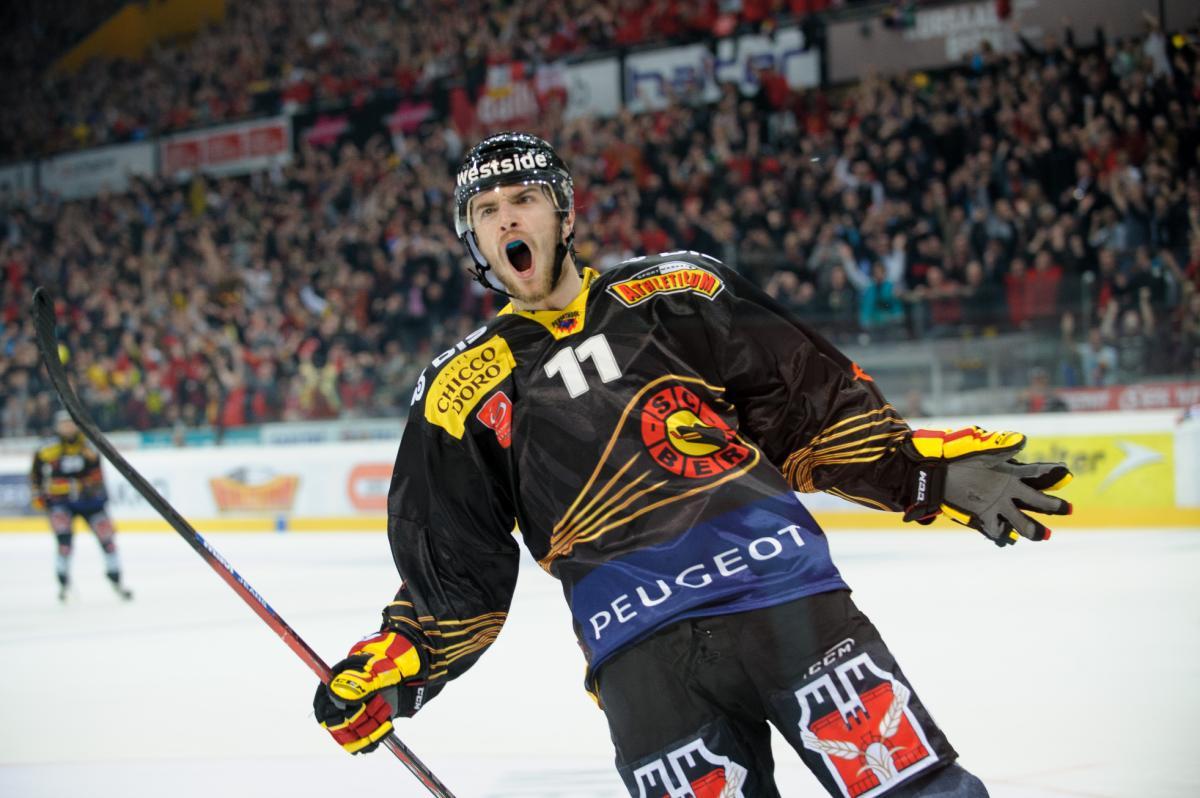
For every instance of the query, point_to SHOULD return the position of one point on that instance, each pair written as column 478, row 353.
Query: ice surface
column 1064, row 669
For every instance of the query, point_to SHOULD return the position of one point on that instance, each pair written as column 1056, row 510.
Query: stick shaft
column 44, row 324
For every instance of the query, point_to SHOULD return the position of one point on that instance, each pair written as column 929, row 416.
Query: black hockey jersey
column 67, row 471
column 646, row 441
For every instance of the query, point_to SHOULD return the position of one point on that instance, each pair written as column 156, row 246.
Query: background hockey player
column 646, row 430
column 66, row 481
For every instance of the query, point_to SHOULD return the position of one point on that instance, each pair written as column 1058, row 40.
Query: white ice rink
column 1069, row 669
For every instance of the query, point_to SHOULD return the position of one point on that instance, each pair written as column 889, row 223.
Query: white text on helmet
column 503, row 166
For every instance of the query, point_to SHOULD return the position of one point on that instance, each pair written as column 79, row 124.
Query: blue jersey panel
column 757, row 556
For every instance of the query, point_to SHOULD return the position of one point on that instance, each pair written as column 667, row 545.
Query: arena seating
column 1053, row 191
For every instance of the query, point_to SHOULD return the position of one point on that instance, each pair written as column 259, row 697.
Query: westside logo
column 517, row 162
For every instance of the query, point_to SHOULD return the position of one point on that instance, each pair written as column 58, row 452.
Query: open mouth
column 519, row 255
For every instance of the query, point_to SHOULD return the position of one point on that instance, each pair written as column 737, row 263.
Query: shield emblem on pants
column 858, row 720
column 691, row 771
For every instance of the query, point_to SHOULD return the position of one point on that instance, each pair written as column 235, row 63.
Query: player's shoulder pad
column 49, row 450
column 458, row 379
column 636, row 281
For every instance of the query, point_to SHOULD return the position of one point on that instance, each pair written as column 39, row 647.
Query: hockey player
column 646, row 430
column 66, row 481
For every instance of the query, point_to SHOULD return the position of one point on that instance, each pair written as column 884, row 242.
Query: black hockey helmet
column 506, row 159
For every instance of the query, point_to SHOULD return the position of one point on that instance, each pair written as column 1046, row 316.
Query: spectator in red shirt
column 1017, row 294
column 1042, row 293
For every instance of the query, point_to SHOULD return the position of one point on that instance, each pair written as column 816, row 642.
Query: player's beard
column 547, row 280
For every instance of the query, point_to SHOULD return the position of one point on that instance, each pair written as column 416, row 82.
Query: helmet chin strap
column 479, row 273
column 481, row 267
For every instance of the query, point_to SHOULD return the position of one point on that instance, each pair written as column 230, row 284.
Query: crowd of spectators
column 1054, row 190
column 272, row 55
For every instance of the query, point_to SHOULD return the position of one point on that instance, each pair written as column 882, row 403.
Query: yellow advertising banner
column 1112, row 471
column 1122, row 481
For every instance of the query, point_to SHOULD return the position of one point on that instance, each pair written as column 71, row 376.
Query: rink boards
column 1131, row 469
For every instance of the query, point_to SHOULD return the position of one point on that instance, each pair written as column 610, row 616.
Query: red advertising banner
column 509, row 98
column 229, row 149
column 1149, row 396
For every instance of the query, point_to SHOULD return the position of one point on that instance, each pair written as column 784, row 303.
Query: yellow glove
column 382, row 660
column 375, row 683
column 969, row 475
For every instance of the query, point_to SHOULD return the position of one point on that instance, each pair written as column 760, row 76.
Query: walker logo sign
column 1117, row 471
column 858, row 720
column 254, row 490
column 667, row 278
column 228, row 150
column 691, row 771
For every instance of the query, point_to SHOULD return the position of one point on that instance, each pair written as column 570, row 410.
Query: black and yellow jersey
column 647, row 441
column 67, row 471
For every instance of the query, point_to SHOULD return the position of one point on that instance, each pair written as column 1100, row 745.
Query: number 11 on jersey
column 568, row 364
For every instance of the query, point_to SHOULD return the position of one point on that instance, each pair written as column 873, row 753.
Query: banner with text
column 16, row 182
column 948, row 34
column 1151, row 396
column 14, row 494
column 236, row 149
column 389, row 120
column 85, row 174
column 594, row 88
column 256, row 481
column 509, row 97
column 1132, row 469
column 691, row 73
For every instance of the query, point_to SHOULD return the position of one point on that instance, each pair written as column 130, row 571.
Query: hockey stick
column 44, row 324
